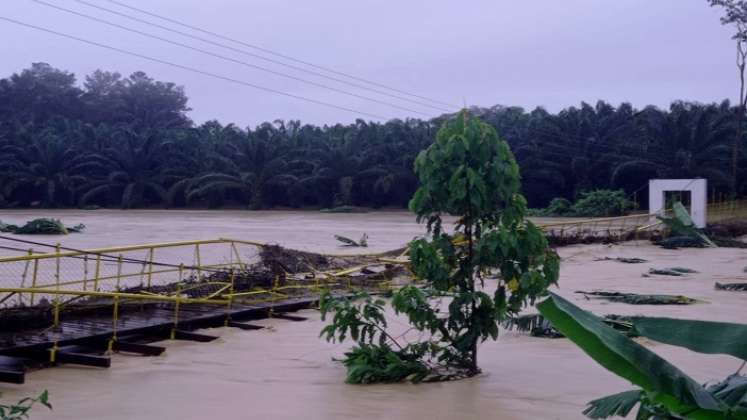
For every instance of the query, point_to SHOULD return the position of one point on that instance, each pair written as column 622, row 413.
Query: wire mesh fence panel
column 116, row 270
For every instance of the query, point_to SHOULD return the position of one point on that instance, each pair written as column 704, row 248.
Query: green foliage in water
column 663, row 391
column 602, row 203
column 558, row 207
column 639, row 299
column 22, row 408
column 42, row 226
column 732, row 287
column 368, row 364
column 684, row 234
column 597, row 203
column 361, row 318
column 471, row 174
column 362, row 242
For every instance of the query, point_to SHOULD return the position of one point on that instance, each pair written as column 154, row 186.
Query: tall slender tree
column 735, row 14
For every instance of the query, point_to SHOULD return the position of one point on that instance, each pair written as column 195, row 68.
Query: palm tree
column 43, row 163
column 689, row 141
column 134, row 165
column 258, row 165
column 199, row 154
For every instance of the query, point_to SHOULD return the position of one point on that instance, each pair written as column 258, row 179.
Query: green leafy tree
column 735, row 14
column 469, row 173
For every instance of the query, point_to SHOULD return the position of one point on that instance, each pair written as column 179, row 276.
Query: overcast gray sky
column 547, row 53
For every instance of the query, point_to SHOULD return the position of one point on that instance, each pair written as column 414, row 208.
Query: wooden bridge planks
column 82, row 339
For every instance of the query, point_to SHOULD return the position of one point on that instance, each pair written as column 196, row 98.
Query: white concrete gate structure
column 698, row 196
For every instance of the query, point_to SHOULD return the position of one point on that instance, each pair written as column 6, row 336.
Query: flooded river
column 287, row 372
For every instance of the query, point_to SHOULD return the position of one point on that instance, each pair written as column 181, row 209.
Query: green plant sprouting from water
column 22, row 408
column 471, row 174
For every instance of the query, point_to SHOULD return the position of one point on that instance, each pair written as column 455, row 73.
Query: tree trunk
column 741, row 55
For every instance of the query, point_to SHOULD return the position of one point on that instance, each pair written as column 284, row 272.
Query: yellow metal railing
column 136, row 271
column 133, row 273
column 620, row 225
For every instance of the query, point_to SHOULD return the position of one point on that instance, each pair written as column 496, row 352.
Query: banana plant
column 663, row 390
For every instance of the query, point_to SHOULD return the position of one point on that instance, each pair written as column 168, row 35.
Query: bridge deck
column 84, row 339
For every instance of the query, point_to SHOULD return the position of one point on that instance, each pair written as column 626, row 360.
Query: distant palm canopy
column 128, row 142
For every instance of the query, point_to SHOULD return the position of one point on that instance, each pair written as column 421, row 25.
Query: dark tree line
column 127, row 142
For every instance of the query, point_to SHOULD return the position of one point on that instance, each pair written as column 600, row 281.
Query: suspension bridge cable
column 191, row 69
column 223, row 57
column 261, row 57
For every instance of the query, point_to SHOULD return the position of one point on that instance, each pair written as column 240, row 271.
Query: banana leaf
column 732, row 391
column 363, row 242
column 538, row 326
column 732, row 287
column 638, row 299
column 631, row 260
column 613, row 405
column 700, row 336
column 664, row 382
column 682, row 225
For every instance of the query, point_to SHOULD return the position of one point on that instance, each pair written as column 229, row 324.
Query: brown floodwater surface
column 287, row 371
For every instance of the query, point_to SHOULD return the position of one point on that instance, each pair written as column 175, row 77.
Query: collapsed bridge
column 79, row 306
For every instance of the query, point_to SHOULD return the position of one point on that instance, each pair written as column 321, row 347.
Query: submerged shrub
column 602, row 203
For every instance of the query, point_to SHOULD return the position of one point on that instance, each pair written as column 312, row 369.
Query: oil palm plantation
column 256, row 169
column 689, row 141
column 42, row 167
column 135, row 165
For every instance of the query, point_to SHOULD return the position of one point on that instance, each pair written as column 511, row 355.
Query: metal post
column 232, row 289
column 23, row 277
column 150, row 265
column 199, row 261
column 34, row 276
column 97, row 274
column 57, row 287
column 236, row 251
column 115, row 321
column 176, row 309
column 119, row 271
column 85, row 272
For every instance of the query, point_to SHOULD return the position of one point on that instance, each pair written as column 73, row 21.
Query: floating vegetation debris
column 684, row 233
column 639, row 299
column 732, row 287
column 534, row 324
column 727, row 229
column 42, row 226
column 632, row 260
column 674, row 271
column 537, row 326
column 729, row 243
column 675, row 242
column 363, row 242
column 344, row 209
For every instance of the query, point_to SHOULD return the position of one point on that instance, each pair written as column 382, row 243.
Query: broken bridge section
column 70, row 306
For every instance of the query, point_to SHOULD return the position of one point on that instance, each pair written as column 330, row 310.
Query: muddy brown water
column 287, row 372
